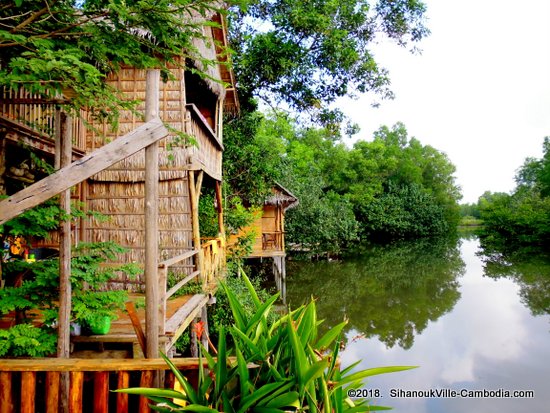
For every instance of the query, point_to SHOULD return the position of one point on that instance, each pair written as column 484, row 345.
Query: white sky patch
column 480, row 91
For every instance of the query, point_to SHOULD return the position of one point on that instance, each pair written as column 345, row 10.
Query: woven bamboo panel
column 123, row 205
column 131, row 83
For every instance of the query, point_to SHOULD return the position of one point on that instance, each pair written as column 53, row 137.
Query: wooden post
column 123, row 382
column 6, row 400
column 77, row 383
column 151, row 221
column 28, row 393
column 65, row 290
column 194, row 198
column 219, row 202
column 52, row 391
column 205, row 333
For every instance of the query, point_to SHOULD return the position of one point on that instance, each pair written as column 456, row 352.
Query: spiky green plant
column 277, row 367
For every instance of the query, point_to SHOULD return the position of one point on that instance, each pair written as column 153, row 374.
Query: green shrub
column 275, row 366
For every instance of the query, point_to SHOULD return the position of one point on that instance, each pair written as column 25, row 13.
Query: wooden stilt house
column 139, row 176
column 269, row 232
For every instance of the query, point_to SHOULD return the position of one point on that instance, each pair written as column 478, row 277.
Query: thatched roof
column 282, row 196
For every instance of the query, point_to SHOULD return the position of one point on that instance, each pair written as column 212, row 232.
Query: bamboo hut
column 269, row 232
column 112, row 172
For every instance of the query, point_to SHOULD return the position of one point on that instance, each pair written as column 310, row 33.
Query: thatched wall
column 123, row 204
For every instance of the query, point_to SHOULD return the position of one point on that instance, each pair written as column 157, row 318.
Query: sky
column 479, row 92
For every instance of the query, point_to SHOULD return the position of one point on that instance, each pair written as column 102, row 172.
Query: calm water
column 469, row 321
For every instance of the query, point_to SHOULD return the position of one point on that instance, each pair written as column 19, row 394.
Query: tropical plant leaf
column 307, row 326
column 289, row 399
column 315, row 371
column 187, row 388
column 236, row 308
column 258, row 394
column 146, row 391
column 301, row 362
column 252, row 290
column 261, row 313
column 360, row 375
column 329, row 337
column 198, row 408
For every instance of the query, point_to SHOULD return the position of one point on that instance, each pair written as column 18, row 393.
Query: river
column 470, row 322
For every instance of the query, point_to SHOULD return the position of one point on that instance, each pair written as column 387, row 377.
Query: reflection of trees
column 389, row 291
column 529, row 268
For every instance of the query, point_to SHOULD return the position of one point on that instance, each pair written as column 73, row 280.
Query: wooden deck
column 180, row 313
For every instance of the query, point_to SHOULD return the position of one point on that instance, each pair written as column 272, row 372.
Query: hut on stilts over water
column 269, row 233
column 145, row 177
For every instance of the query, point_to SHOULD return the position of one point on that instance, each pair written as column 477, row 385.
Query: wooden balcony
column 31, row 119
column 207, row 153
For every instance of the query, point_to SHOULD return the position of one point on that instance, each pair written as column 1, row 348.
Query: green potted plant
column 94, row 310
column 93, row 307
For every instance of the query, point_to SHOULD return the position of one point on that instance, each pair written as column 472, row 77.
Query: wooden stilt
column 194, row 198
column 65, row 290
column 151, row 221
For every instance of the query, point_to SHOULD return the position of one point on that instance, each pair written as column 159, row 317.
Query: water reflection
column 529, row 268
column 390, row 292
column 477, row 335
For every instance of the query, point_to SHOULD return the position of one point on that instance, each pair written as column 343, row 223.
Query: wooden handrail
column 174, row 260
column 62, row 365
column 82, row 169
column 198, row 116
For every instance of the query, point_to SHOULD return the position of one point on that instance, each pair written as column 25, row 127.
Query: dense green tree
column 522, row 217
column 400, row 188
column 308, row 53
column 48, row 47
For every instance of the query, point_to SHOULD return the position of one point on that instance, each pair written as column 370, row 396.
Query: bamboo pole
column 193, row 197
column 219, row 202
column 151, row 221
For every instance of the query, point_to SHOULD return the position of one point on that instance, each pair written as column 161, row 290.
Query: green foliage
column 252, row 157
column 40, row 290
column 64, row 45
column 522, row 217
column 307, row 54
column 389, row 188
column 404, row 212
column 292, row 367
column 208, row 216
column 27, row 340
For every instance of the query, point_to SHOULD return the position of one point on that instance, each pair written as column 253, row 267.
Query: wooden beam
column 185, row 315
column 219, row 202
column 130, row 308
column 194, row 200
column 82, row 169
column 81, row 365
column 152, row 221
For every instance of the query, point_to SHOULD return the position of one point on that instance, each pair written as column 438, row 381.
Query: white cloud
column 480, row 92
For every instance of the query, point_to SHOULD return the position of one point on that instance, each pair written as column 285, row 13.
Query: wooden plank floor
column 180, row 312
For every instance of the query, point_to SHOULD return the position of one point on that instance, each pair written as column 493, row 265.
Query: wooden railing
column 208, row 151
column 272, row 241
column 213, row 259
column 33, row 385
column 36, row 115
column 213, row 263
